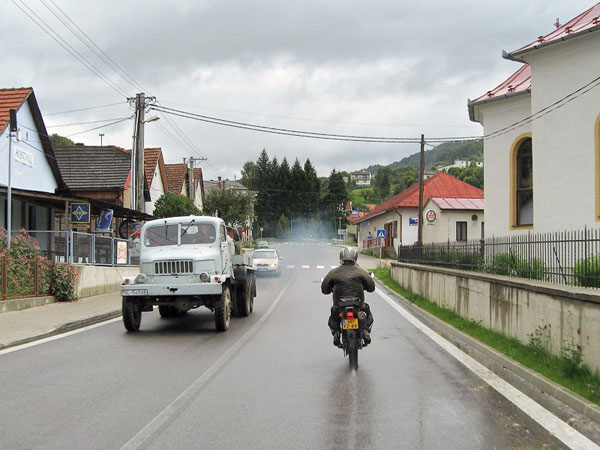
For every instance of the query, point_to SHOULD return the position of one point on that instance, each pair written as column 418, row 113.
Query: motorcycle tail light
column 349, row 314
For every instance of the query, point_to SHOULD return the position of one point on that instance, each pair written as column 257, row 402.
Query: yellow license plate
column 350, row 324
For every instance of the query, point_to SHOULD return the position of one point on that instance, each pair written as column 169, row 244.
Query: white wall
column 563, row 141
column 443, row 229
column 496, row 116
column 156, row 190
column 39, row 176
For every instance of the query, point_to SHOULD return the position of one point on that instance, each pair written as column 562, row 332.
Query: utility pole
column 137, row 151
column 421, row 174
column 191, row 184
column 12, row 127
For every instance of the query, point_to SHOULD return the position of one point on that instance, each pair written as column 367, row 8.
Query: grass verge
column 566, row 369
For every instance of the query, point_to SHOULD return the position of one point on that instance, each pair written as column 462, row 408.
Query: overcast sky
column 391, row 68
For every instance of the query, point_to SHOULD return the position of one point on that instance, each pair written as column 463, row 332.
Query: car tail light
column 349, row 314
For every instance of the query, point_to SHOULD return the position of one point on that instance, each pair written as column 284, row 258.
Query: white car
column 266, row 260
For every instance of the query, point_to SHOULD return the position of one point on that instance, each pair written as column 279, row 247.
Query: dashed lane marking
column 305, row 266
column 290, row 267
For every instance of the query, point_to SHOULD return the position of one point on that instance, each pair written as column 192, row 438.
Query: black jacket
column 347, row 280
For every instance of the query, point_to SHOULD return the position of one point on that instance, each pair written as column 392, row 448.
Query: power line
column 64, row 44
column 299, row 133
column 87, row 123
column 84, row 109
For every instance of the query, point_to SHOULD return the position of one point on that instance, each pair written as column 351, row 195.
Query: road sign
column 380, row 234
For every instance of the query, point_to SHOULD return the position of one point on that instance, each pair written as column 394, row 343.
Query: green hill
column 443, row 154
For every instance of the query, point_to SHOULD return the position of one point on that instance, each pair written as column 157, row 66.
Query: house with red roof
column 183, row 181
column 156, row 176
column 35, row 178
column 453, row 210
column 542, row 134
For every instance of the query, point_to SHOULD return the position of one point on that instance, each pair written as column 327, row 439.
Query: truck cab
column 187, row 262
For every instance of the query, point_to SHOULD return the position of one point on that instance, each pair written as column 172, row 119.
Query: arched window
column 524, row 184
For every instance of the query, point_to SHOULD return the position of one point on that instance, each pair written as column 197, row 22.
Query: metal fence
column 568, row 257
column 83, row 248
column 17, row 274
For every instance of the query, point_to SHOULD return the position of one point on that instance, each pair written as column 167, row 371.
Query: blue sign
column 80, row 213
column 380, row 234
column 413, row 221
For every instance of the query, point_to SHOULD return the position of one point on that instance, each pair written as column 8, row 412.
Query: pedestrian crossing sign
column 380, row 234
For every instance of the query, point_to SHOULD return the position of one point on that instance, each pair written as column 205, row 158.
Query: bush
column 587, row 272
column 512, row 265
column 64, row 283
column 22, row 258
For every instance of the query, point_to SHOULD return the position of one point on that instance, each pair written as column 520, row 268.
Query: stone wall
column 96, row 280
column 561, row 315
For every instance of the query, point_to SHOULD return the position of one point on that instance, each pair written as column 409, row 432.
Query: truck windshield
column 161, row 235
column 198, row 233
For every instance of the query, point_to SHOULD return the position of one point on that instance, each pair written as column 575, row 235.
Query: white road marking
column 290, row 267
column 140, row 440
column 305, row 266
column 333, row 267
column 320, row 267
column 58, row 336
column 565, row 433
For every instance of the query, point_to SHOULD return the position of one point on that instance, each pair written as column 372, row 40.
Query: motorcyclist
column 348, row 280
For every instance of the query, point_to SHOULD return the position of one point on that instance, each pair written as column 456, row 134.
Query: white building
column 361, row 178
column 453, row 211
column 542, row 134
column 460, row 164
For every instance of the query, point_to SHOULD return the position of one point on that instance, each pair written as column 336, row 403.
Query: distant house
column 35, row 179
column 361, row 178
column 461, row 164
column 542, row 134
column 452, row 205
column 156, row 176
column 101, row 175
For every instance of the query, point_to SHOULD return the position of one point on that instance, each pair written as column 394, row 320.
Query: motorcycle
column 353, row 322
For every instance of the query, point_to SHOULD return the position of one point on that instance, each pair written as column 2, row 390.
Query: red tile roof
column 520, row 81
column 151, row 156
column 585, row 22
column 440, row 185
column 11, row 99
column 175, row 177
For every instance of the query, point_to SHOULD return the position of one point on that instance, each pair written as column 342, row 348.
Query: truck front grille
column 173, row 267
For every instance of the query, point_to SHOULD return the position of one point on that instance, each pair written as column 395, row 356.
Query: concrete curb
column 563, row 403
column 70, row 326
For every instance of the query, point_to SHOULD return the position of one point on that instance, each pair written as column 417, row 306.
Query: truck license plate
column 134, row 292
column 350, row 324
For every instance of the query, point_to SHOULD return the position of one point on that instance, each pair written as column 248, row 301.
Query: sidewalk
column 19, row 327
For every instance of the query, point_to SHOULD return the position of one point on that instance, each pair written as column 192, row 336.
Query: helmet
column 348, row 254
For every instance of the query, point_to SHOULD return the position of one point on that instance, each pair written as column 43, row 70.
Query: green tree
column 173, row 205
column 382, row 183
column 234, row 207
column 283, row 226
column 60, row 141
column 335, row 198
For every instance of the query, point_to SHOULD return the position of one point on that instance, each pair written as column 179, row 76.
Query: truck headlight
column 204, row 277
column 140, row 279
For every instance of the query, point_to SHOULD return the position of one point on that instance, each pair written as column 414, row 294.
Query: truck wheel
column 132, row 314
column 166, row 311
column 223, row 310
column 246, row 300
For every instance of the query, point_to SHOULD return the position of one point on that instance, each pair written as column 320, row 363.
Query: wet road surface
column 274, row 380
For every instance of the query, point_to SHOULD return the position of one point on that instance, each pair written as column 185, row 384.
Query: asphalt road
column 274, row 380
